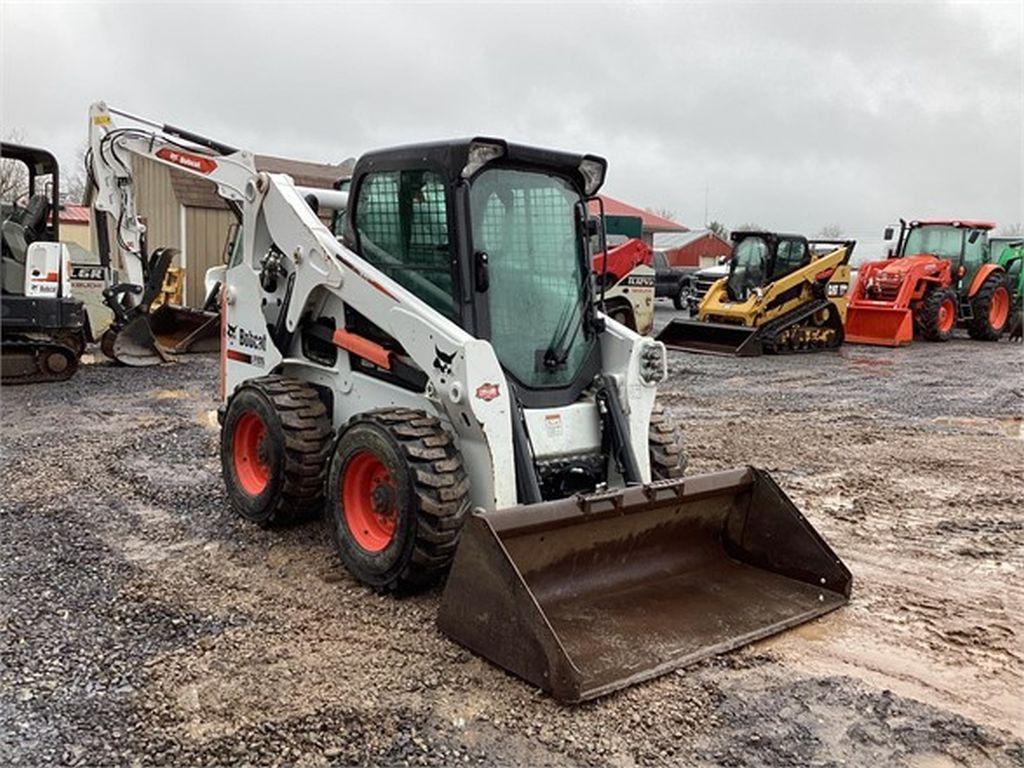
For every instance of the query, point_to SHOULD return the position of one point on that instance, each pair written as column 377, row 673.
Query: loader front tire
column 937, row 314
column 668, row 459
column 274, row 447
column 397, row 495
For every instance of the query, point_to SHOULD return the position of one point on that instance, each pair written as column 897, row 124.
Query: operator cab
column 36, row 220
column 963, row 243
column 760, row 258
column 496, row 237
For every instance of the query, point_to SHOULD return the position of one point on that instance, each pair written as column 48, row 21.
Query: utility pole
column 706, row 188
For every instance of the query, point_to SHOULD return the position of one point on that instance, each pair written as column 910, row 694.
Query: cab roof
column 452, row 157
column 965, row 223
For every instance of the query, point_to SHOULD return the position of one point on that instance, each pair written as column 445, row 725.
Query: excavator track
column 798, row 331
column 30, row 361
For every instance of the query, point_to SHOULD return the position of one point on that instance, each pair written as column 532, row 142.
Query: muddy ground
column 141, row 622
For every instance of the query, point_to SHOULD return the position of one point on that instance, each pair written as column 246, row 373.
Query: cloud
column 792, row 115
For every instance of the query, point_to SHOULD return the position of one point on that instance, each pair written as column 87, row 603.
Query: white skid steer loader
column 438, row 382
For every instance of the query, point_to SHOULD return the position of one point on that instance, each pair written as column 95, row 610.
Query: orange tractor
column 939, row 276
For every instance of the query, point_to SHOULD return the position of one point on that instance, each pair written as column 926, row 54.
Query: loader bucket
column 711, row 338
column 881, row 326
column 180, row 329
column 587, row 595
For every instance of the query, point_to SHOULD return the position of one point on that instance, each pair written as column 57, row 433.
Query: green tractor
column 1009, row 252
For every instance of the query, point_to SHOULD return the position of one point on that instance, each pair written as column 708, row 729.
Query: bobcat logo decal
column 443, row 362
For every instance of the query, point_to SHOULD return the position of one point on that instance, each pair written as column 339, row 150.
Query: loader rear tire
column 274, row 447
column 397, row 495
column 668, row 459
column 937, row 315
column 991, row 309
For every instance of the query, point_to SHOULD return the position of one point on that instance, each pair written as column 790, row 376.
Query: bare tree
column 719, row 229
column 1012, row 229
column 73, row 179
column 748, row 227
column 13, row 174
column 665, row 213
column 831, row 232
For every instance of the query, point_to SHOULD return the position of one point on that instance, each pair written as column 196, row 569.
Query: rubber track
column 36, row 350
column 441, row 486
column 794, row 318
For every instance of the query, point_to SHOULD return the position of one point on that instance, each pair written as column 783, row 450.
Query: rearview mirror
column 889, row 232
column 973, row 237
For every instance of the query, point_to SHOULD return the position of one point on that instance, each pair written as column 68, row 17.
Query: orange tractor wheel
column 991, row 308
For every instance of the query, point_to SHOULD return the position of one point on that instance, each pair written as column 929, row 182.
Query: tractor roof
column 965, row 223
column 452, row 158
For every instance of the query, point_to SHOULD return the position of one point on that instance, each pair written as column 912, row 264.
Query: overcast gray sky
column 794, row 115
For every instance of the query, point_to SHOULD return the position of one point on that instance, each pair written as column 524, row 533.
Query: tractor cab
column 759, row 258
column 496, row 237
column 964, row 244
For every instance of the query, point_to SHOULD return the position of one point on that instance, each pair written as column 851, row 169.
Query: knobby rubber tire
column 979, row 327
column 928, row 315
column 297, row 444
column 431, row 498
column 664, row 440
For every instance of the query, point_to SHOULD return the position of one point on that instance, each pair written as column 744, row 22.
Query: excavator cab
column 43, row 326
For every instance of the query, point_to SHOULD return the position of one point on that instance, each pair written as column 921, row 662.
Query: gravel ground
column 143, row 623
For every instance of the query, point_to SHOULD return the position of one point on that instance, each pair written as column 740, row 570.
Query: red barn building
column 697, row 248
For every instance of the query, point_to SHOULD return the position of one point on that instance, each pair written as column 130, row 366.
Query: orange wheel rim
column 999, row 307
column 248, row 448
column 369, row 502
column 947, row 314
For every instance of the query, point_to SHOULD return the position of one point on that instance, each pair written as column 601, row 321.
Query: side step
column 587, row 595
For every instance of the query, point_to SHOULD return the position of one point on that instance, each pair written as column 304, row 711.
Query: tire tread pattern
column 668, row 459
column 441, row 488
column 307, row 431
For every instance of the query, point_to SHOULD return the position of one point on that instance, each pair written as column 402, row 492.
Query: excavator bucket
column 150, row 339
column 881, row 326
column 711, row 338
column 587, row 595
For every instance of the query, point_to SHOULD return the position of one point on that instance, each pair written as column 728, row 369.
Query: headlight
column 481, row 152
column 653, row 366
column 592, row 169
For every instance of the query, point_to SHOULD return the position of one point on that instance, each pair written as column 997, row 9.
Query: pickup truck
column 700, row 281
column 672, row 282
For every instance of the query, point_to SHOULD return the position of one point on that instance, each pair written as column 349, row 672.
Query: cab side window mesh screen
column 402, row 220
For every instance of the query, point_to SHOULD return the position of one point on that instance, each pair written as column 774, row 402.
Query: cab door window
column 401, row 218
column 790, row 257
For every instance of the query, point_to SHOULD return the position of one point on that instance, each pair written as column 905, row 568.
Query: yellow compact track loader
column 783, row 294
column 440, row 384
